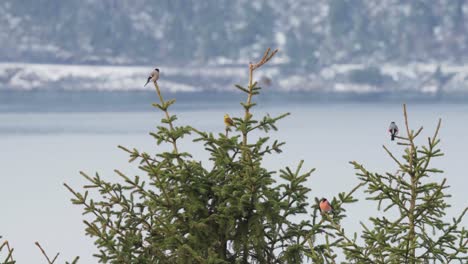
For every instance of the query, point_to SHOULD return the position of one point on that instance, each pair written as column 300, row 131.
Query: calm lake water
column 39, row 150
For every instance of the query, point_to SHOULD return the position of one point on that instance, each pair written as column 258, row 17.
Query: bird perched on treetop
column 228, row 121
column 393, row 129
column 154, row 76
column 325, row 206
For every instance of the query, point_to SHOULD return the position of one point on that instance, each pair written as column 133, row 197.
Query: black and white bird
column 393, row 129
column 154, row 76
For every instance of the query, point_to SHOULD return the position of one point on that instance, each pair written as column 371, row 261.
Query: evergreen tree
column 184, row 212
column 413, row 228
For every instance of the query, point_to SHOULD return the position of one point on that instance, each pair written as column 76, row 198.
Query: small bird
column 265, row 80
column 393, row 129
column 325, row 206
column 154, row 76
column 228, row 121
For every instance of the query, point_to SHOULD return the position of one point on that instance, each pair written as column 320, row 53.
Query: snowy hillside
column 179, row 32
column 339, row 78
column 331, row 46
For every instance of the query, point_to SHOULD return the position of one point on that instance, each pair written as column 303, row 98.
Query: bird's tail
column 393, row 136
column 149, row 78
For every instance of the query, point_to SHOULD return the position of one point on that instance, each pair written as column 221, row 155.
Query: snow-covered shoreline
column 412, row 78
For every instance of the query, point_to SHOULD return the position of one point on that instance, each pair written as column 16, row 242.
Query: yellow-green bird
column 228, row 121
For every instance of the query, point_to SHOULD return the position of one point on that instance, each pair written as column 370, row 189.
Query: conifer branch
column 350, row 243
column 134, row 184
column 164, row 106
column 402, row 167
column 463, row 247
column 444, row 236
column 411, row 238
column 267, row 121
column 98, row 214
column 430, row 200
column 329, row 252
column 411, row 137
column 163, row 188
column 432, row 142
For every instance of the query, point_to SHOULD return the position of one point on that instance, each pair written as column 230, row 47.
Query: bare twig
column 266, row 57
column 252, row 67
column 410, row 137
column 9, row 251
column 45, row 255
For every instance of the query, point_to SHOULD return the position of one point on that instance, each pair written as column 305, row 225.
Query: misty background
column 377, row 49
column 313, row 34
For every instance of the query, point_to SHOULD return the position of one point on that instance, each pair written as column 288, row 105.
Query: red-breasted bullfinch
column 325, row 206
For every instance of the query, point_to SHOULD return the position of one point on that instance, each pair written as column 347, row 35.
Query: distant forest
column 313, row 34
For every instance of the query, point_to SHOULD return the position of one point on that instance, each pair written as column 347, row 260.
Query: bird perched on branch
column 228, row 121
column 393, row 129
column 325, row 206
column 154, row 76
